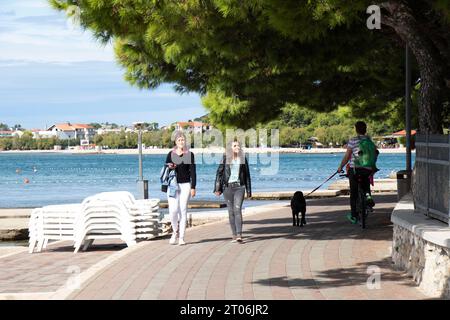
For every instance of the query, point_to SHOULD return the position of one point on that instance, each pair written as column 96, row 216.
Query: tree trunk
column 431, row 66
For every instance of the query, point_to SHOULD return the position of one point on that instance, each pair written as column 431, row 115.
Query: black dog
column 298, row 204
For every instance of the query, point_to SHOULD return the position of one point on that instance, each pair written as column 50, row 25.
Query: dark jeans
column 353, row 178
column 234, row 197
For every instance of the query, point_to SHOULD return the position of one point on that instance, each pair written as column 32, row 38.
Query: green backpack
column 367, row 155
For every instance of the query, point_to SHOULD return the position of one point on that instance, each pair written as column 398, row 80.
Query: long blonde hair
column 229, row 152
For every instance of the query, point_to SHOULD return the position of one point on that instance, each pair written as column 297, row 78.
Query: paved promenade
column 327, row 259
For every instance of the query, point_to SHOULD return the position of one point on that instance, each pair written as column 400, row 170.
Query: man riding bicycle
column 362, row 155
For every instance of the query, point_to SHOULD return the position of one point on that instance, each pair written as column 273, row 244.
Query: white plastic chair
column 55, row 222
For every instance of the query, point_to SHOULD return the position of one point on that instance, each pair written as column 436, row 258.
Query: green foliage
column 127, row 140
column 204, row 118
column 26, row 142
column 251, row 58
column 5, row 143
column 298, row 124
column 122, row 140
column 152, row 126
column 226, row 110
column 4, row 127
column 294, row 137
column 95, row 125
column 110, row 125
column 153, row 138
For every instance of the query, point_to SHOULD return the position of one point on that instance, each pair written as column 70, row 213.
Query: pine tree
column 252, row 57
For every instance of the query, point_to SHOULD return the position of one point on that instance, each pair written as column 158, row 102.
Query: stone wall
column 427, row 263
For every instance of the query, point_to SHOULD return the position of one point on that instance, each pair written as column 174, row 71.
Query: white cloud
column 111, row 96
column 12, row 63
column 40, row 34
column 90, row 86
column 34, row 4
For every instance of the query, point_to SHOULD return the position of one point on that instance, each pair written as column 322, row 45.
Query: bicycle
column 362, row 207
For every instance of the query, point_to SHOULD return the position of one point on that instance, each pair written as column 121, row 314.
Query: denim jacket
column 168, row 178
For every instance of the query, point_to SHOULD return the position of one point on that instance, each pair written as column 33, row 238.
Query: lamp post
column 404, row 176
column 141, row 183
column 408, row 109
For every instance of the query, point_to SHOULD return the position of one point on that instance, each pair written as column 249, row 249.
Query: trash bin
column 403, row 183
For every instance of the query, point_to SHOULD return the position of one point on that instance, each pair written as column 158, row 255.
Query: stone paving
column 327, row 259
column 48, row 270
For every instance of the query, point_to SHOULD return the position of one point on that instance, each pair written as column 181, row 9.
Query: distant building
column 37, row 133
column 10, row 133
column 6, row 133
column 193, row 126
column 106, row 131
column 71, row 131
column 313, row 142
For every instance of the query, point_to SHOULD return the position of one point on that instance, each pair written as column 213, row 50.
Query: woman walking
column 233, row 179
column 182, row 161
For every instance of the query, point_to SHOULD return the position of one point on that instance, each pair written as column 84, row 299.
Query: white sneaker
column 181, row 242
column 173, row 239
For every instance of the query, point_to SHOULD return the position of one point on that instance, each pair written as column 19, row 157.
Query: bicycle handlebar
column 342, row 174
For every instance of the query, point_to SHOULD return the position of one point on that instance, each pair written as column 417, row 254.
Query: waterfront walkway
column 327, row 259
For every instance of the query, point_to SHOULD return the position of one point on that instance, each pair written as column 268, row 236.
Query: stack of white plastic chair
column 34, row 232
column 116, row 215
column 144, row 213
column 54, row 222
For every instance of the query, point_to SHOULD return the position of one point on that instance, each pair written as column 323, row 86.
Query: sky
column 51, row 71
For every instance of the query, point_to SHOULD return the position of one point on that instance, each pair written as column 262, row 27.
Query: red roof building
column 402, row 133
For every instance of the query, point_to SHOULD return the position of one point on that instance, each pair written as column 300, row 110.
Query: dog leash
column 331, row 177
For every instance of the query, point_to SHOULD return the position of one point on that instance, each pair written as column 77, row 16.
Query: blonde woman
column 182, row 161
column 233, row 179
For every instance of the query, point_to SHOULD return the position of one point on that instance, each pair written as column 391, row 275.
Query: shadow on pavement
column 343, row 277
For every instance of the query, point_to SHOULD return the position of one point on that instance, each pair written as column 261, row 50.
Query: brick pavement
column 327, row 259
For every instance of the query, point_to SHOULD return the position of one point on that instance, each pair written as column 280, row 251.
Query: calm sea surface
column 59, row 179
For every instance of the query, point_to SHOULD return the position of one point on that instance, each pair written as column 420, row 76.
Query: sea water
column 38, row 179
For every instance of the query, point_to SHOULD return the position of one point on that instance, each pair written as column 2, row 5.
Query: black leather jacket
column 223, row 175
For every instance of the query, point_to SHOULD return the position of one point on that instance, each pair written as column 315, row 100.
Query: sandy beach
column 199, row 151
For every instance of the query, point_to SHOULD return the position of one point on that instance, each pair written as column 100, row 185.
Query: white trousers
column 178, row 208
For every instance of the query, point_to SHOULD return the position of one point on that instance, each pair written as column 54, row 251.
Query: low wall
column 421, row 247
column 380, row 185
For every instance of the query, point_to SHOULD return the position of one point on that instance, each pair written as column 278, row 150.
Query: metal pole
column 142, row 184
column 408, row 110
column 140, row 154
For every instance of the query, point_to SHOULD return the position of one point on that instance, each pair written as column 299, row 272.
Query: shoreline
column 164, row 151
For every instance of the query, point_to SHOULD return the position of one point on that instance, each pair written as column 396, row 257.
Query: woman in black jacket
column 233, row 179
